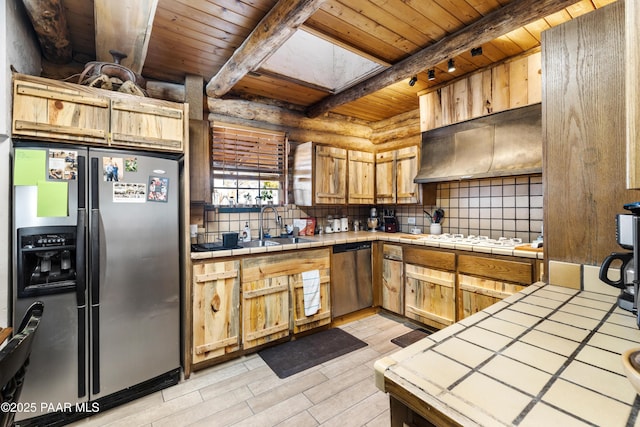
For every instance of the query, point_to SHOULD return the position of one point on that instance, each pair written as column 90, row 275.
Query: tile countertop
column 362, row 236
column 547, row 355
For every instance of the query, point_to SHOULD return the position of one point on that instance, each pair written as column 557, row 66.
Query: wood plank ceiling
column 199, row 36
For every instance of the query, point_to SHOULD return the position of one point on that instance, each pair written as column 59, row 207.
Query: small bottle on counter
column 246, row 234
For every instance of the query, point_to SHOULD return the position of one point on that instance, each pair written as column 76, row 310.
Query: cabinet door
column 483, row 281
column 477, row 293
column 302, row 322
column 216, row 316
column 265, row 310
column 392, row 279
column 429, row 295
column 330, row 175
column 407, row 163
column 147, row 123
column 385, row 177
column 361, row 177
column 70, row 113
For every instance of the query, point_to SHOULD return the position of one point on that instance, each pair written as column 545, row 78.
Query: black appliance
column 628, row 237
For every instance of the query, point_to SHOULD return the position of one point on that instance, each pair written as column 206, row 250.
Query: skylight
column 313, row 60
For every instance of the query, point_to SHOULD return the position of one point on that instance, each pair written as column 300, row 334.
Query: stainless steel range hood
column 501, row 144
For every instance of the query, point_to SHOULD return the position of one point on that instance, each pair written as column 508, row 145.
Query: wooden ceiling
column 180, row 37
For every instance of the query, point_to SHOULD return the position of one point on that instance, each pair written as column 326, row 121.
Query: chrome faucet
column 261, row 217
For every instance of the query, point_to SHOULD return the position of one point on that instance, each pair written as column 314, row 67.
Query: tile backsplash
column 494, row 207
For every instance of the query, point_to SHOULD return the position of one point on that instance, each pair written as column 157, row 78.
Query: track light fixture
column 413, row 80
column 451, row 66
column 476, row 51
column 431, row 74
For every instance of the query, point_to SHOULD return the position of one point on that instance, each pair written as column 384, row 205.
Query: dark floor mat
column 410, row 337
column 303, row 353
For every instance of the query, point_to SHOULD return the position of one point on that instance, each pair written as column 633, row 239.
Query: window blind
column 246, row 153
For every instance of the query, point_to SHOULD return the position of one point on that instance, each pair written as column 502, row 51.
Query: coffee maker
column 390, row 221
column 628, row 237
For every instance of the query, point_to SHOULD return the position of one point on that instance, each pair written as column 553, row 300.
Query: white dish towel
column 311, row 289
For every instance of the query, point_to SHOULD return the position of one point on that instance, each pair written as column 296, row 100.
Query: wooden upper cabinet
column 60, row 112
column 395, row 172
column 148, row 123
column 361, row 177
column 330, row 175
column 66, row 112
column 407, row 164
column 385, row 177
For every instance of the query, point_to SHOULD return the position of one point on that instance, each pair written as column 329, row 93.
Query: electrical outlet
column 411, row 220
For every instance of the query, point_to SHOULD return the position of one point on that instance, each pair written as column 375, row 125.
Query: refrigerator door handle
column 95, row 274
column 81, row 283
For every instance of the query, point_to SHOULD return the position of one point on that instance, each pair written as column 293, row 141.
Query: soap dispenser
column 246, row 234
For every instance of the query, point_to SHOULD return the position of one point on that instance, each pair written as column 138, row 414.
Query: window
column 248, row 166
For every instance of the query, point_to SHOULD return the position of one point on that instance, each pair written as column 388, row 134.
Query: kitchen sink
column 273, row 241
column 258, row 243
column 288, row 240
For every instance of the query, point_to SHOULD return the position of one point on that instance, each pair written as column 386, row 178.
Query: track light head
column 476, row 51
column 431, row 74
column 451, row 66
column 413, row 80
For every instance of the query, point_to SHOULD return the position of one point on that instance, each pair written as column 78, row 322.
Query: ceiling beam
column 124, row 26
column 50, row 24
column 272, row 31
column 498, row 23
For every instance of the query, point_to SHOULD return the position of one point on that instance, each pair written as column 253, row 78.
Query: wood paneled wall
column 584, row 136
column 508, row 85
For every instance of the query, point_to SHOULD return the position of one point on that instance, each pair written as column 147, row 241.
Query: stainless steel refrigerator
column 96, row 238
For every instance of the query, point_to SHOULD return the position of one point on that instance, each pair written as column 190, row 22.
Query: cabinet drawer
column 430, row 258
column 498, row 269
column 392, row 252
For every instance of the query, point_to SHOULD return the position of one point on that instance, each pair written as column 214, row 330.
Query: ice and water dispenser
column 46, row 260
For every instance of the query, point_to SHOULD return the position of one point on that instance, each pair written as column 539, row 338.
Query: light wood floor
column 245, row 392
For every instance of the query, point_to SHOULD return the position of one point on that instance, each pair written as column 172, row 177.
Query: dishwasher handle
column 350, row 247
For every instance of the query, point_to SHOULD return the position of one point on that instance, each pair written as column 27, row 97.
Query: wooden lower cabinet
column 483, row 281
column 265, row 310
column 430, row 292
column 476, row 293
column 301, row 322
column 430, row 296
column 216, row 305
column 392, row 279
column 269, row 283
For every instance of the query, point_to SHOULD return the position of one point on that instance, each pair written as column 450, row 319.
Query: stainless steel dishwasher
column 351, row 287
